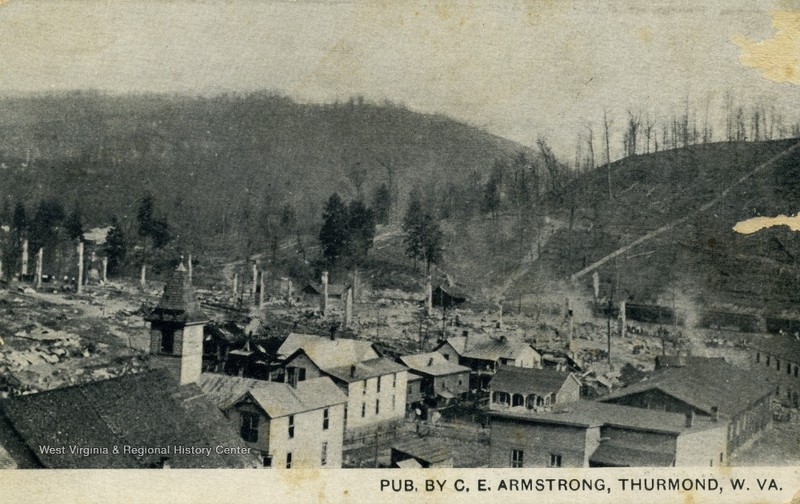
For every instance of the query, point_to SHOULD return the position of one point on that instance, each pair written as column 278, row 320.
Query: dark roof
column 140, row 410
column 365, row 370
column 609, row 454
column 179, row 302
column 703, row 385
column 334, row 290
column 432, row 364
column 665, row 361
column 593, row 414
column 514, row 379
column 426, row 449
column 786, row 346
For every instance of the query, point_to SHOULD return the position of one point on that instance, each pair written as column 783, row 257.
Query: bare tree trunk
column 608, row 156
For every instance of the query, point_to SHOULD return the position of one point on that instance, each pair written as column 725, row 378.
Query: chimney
column 261, row 293
column 24, row 270
column 79, row 286
column 428, row 297
column 352, row 371
column 255, row 281
column 348, row 308
column 690, row 418
column 714, row 414
column 324, row 306
column 39, row 259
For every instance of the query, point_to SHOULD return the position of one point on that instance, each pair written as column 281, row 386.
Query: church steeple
column 176, row 325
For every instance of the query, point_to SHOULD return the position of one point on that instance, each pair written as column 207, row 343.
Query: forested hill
column 213, row 162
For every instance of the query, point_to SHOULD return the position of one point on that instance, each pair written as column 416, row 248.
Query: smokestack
column 255, row 281
column 348, row 308
column 262, row 288
column 235, row 286
column 623, row 320
column 690, row 418
column 428, row 297
column 39, row 259
column 79, row 287
column 715, row 414
column 24, row 270
column 189, row 269
column 324, row 293
column 105, row 270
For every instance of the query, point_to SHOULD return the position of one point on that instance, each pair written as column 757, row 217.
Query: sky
column 520, row 69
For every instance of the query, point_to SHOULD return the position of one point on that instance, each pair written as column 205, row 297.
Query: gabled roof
column 596, row 414
column 542, row 382
column 704, row 385
column 179, row 302
column 278, row 399
column 432, row 364
column 327, row 353
column 140, row 410
column 485, row 347
column 365, row 370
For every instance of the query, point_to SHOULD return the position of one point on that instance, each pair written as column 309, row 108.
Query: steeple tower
column 176, row 327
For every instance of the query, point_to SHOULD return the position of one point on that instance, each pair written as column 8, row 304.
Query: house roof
column 485, row 347
column 432, row 364
column 179, row 301
column 703, row 385
column 786, row 346
column 140, row 410
column 365, row 369
column 595, row 414
column 427, row 449
column 610, row 454
column 542, row 382
column 279, row 399
column 327, row 353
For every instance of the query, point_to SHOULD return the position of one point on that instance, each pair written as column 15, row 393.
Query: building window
column 555, row 460
column 364, row 390
column 325, row 419
column 446, row 356
column 758, row 357
column 289, row 460
column 788, row 368
column 777, row 364
column 768, row 358
column 377, row 406
column 291, row 426
column 324, row 458
column 266, row 460
column 295, row 375
column 249, row 430
column 394, row 403
column 721, row 454
column 167, row 341
column 394, row 380
column 460, row 381
column 379, row 384
column 363, row 409
column 410, row 389
column 516, row 458
column 795, row 370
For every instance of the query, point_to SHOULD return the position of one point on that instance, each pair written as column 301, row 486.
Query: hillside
column 209, row 162
column 700, row 260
